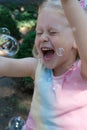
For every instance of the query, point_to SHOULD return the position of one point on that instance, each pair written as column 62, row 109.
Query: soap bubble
column 8, row 45
column 60, row 52
column 16, row 123
column 4, row 30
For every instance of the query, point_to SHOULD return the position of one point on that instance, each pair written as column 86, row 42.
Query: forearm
column 75, row 14
column 78, row 19
column 10, row 67
column 6, row 67
column 18, row 67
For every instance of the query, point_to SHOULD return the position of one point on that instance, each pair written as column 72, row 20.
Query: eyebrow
column 55, row 27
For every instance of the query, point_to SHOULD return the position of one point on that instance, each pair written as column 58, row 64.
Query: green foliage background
column 26, row 47
column 7, row 21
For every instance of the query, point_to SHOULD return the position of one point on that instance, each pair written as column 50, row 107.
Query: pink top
column 61, row 103
column 71, row 95
column 82, row 3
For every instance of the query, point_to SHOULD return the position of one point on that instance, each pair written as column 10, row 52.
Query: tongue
column 48, row 54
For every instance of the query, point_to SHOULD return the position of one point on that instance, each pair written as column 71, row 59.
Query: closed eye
column 39, row 33
column 53, row 33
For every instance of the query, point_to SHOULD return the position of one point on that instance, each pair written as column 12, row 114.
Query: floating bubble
column 60, row 52
column 8, row 45
column 4, row 30
column 16, row 123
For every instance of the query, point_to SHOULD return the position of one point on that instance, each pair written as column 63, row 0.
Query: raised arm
column 18, row 67
column 78, row 19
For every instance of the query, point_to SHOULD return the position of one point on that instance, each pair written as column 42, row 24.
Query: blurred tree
column 7, row 21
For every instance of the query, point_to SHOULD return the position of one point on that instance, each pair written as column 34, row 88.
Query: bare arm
column 18, row 67
column 78, row 19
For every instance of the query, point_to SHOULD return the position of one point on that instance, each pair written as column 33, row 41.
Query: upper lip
column 45, row 50
column 46, row 46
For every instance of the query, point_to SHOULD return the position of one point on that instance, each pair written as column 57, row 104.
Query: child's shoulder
column 75, row 72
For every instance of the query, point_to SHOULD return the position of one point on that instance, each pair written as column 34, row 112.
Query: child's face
column 52, row 33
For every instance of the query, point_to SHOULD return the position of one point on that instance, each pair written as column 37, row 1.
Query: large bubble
column 8, row 44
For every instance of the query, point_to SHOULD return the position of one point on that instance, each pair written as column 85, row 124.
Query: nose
column 44, row 37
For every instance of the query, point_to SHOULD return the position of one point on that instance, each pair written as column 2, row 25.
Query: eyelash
column 50, row 32
column 38, row 33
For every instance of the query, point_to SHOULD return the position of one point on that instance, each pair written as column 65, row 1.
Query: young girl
column 60, row 94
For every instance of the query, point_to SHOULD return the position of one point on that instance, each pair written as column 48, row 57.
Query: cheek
column 62, row 47
column 58, row 42
column 67, row 41
column 69, row 38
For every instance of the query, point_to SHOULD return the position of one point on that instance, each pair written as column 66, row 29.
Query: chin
column 49, row 66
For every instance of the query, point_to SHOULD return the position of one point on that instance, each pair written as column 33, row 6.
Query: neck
column 62, row 68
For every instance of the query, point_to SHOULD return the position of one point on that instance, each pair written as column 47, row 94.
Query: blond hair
column 55, row 4
column 34, row 52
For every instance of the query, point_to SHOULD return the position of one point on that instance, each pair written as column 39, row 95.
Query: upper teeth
column 46, row 48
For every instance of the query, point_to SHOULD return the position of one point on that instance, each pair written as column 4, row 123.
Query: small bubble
column 54, row 88
column 16, row 123
column 4, row 30
column 60, row 52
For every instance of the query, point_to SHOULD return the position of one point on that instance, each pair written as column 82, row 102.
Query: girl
column 60, row 97
column 60, row 94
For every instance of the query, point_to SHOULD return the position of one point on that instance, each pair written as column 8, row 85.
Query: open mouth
column 48, row 53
